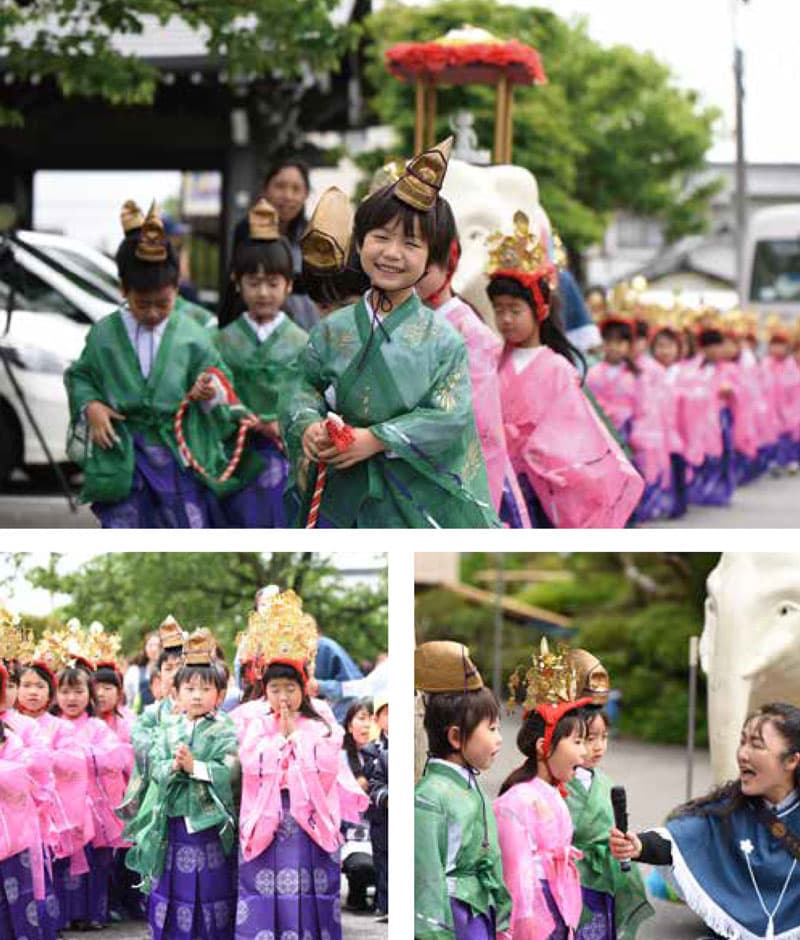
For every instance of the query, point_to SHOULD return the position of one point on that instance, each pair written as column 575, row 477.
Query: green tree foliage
column 636, row 612
column 132, row 592
column 73, row 42
column 610, row 131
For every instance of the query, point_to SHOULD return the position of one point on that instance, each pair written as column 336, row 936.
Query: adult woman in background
column 357, row 862
column 136, row 683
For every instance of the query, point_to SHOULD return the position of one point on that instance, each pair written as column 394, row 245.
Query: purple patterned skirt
column 600, row 908
column 469, row 925
column 83, row 897
column 560, row 931
column 163, row 495
column 19, row 912
column 195, row 897
column 291, row 889
column 713, row 483
column 259, row 504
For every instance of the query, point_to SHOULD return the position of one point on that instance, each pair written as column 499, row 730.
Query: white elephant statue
column 484, row 200
column 750, row 647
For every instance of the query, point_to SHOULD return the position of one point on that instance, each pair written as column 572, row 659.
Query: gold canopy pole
column 500, row 120
column 430, row 131
column 419, row 119
column 509, row 124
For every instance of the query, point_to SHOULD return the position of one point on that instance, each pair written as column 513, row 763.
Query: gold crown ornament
column 73, row 644
column 200, row 648
column 551, row 679
column 521, row 251
column 423, row 177
column 326, row 242
column 131, row 216
column 282, row 633
column 16, row 644
column 445, row 666
column 152, row 244
column 263, row 221
column 170, row 633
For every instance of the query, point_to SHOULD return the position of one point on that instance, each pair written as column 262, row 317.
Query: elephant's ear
column 709, row 635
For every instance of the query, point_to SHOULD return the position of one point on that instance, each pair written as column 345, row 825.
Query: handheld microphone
column 619, row 803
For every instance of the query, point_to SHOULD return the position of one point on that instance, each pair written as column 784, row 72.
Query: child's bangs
column 383, row 208
column 263, row 257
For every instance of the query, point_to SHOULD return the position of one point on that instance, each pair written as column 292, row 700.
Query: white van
column 44, row 318
column 772, row 260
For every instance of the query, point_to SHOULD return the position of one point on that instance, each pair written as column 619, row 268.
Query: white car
column 45, row 313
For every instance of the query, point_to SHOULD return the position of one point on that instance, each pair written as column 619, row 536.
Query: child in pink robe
column 483, row 351
column 630, row 396
column 534, row 825
column 783, row 382
column 295, row 793
column 665, row 349
column 84, row 899
column 572, row 472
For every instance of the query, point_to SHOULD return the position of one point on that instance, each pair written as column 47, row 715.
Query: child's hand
column 315, row 439
column 184, row 758
column 364, row 446
column 101, row 429
column 624, row 847
column 203, row 388
column 286, row 723
column 363, row 783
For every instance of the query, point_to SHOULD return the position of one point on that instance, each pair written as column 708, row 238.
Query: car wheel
column 11, row 447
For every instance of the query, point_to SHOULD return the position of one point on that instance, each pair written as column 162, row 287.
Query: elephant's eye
column 786, row 608
column 474, row 234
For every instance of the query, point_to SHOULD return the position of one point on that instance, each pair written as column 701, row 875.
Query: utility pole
column 741, row 165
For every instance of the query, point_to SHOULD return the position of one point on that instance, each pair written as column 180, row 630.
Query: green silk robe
column 592, row 817
column 260, row 369
column 195, row 312
column 108, row 371
column 408, row 382
column 456, row 853
column 203, row 804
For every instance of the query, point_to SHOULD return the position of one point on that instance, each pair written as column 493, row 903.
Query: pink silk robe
column 483, row 352
column 534, row 829
column 19, row 816
column 698, row 412
column 783, row 382
column 109, row 762
column 322, row 790
column 578, row 471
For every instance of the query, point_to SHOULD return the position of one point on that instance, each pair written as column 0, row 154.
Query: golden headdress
column 777, row 329
column 15, row 642
column 422, row 179
column 281, row 633
column 387, row 175
column 521, row 252
column 326, row 242
column 592, row 677
column 131, row 216
column 152, row 245
column 551, row 679
column 200, row 649
column 170, row 633
column 75, row 644
column 263, row 221
column 445, row 666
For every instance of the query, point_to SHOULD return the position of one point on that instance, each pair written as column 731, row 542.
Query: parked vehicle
column 772, row 275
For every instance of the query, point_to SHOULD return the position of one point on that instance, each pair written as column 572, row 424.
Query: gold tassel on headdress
column 419, row 185
column 131, row 216
column 263, row 221
column 326, row 242
column 152, row 245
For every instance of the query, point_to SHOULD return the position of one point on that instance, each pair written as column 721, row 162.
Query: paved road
column 766, row 503
column 354, row 927
column 654, row 777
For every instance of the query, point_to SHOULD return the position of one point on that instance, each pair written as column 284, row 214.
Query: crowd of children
column 212, row 817
column 545, row 860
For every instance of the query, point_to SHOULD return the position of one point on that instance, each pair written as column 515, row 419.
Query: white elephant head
column 484, row 200
column 750, row 648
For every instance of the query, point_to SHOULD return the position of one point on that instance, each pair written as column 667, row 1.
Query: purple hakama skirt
column 677, row 499
column 713, row 482
column 19, row 911
column 510, row 512
column 469, row 925
column 259, row 504
column 539, row 518
column 600, row 907
column 83, row 897
column 291, row 889
column 164, row 495
column 560, row 931
column 195, row 897
column 785, row 451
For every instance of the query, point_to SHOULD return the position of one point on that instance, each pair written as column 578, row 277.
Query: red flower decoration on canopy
column 465, row 57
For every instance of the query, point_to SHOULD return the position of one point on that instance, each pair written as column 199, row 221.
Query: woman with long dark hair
column 357, row 856
column 572, row 472
column 734, row 853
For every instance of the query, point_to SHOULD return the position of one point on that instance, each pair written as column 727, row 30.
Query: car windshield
column 776, row 271
column 79, row 270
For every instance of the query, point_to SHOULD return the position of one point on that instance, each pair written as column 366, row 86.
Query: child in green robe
column 136, row 367
column 259, row 347
column 184, row 832
column 614, row 902
column 458, row 875
column 398, row 376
